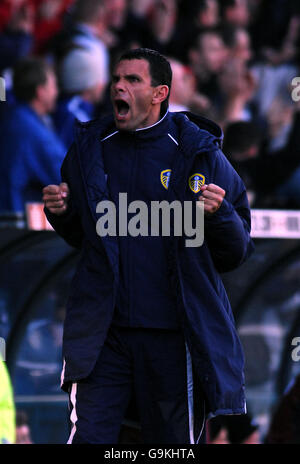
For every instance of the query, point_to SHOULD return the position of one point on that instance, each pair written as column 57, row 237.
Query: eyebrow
column 127, row 76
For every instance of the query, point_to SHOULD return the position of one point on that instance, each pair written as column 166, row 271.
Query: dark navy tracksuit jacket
column 183, row 287
column 134, row 163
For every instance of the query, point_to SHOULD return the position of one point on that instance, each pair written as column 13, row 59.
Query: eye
column 134, row 79
column 114, row 79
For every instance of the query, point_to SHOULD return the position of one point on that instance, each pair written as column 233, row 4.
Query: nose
column 118, row 86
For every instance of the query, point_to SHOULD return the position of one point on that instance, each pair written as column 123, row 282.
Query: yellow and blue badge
column 165, row 177
column 196, row 181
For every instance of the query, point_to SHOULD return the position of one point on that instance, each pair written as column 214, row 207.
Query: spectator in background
column 141, row 8
column 88, row 29
column 117, row 12
column 269, row 167
column 31, row 152
column 279, row 123
column 182, row 89
column 235, row 12
column 236, row 89
column 23, row 434
column 6, row 10
column 288, row 48
column 207, row 57
column 273, row 29
column 162, row 25
column 183, row 95
column 238, row 41
column 16, row 38
column 193, row 17
column 126, row 28
column 272, row 82
column 237, row 83
column 49, row 21
column 278, row 166
column 242, row 141
column 276, row 69
column 83, row 81
column 207, row 13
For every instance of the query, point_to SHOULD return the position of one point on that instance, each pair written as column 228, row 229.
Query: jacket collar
column 144, row 133
column 196, row 132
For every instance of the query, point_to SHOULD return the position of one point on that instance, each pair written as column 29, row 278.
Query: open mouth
column 121, row 108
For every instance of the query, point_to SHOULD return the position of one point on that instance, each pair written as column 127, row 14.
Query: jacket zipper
column 129, row 248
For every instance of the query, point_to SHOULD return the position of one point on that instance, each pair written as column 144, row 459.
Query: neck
column 38, row 107
column 152, row 125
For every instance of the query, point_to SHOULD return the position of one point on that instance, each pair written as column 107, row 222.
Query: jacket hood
column 207, row 125
column 197, row 133
column 97, row 126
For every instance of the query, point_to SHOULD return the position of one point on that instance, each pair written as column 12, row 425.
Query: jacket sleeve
column 227, row 232
column 68, row 225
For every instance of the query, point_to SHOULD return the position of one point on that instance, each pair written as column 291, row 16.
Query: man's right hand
column 55, row 198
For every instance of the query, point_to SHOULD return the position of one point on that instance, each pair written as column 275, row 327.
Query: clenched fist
column 55, row 198
column 212, row 195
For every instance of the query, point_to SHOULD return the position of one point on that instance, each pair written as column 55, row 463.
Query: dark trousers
column 156, row 365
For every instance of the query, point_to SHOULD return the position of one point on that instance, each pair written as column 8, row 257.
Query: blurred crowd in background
column 233, row 61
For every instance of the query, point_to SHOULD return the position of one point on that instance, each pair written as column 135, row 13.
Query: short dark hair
column 28, row 74
column 196, row 42
column 225, row 4
column 159, row 68
column 86, row 10
column 197, row 7
column 229, row 34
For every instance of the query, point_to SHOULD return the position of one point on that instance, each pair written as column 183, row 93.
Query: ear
column 160, row 94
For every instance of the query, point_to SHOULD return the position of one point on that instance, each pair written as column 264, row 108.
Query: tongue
column 123, row 108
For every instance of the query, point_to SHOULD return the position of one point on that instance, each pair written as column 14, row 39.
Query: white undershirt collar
column 155, row 124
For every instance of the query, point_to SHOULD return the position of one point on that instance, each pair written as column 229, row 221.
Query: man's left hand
column 212, row 196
